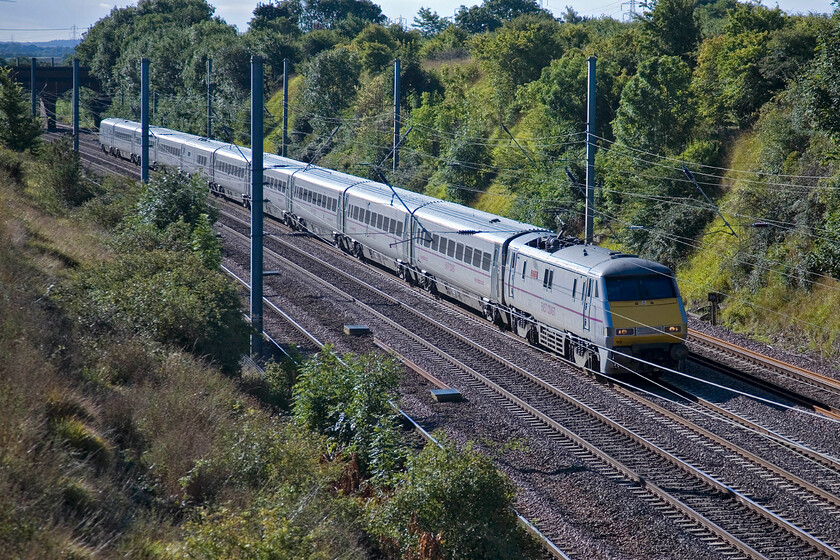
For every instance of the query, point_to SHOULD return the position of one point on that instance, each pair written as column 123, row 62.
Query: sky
column 44, row 20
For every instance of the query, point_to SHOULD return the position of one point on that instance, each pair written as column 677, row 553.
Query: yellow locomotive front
column 645, row 321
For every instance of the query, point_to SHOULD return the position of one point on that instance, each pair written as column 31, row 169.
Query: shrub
column 347, row 400
column 63, row 173
column 168, row 297
column 453, row 499
column 11, row 163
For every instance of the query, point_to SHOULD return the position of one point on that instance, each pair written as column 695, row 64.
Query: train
column 605, row 310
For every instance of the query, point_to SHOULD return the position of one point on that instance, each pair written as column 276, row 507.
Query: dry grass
column 108, row 445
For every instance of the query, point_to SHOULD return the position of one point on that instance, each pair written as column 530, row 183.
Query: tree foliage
column 457, row 499
column 19, row 130
column 671, row 27
column 517, row 52
column 346, row 400
column 656, row 108
column 492, row 14
column 429, row 22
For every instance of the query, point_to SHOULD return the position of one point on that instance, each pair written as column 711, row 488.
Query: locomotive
column 606, row 310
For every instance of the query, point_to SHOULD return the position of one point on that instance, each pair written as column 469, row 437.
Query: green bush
column 347, row 400
column 168, row 297
column 63, row 173
column 455, row 498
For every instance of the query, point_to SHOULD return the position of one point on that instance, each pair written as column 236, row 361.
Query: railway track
column 550, row 547
column 809, row 389
column 731, row 514
column 776, row 533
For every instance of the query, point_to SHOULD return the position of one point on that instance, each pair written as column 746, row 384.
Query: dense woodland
column 742, row 96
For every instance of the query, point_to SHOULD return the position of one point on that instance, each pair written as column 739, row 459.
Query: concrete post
column 256, row 204
column 590, row 149
column 285, row 107
column 396, row 113
column 144, row 119
column 76, row 104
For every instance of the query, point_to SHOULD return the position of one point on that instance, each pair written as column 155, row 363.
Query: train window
column 435, row 239
column 574, row 288
column 399, row 229
column 640, row 288
column 386, row 221
column 334, row 204
column 596, row 288
column 548, row 278
column 367, row 217
column 450, row 250
column 310, row 196
column 485, row 262
column 468, row 253
column 459, row 251
column 355, row 212
column 524, row 266
column 379, row 219
column 477, row 258
column 393, row 227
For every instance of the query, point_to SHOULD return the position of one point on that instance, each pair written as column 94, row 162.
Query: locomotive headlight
column 624, row 332
column 673, row 329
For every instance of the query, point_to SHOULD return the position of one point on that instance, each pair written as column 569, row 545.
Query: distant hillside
column 57, row 48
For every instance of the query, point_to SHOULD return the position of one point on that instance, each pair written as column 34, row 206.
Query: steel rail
column 690, row 469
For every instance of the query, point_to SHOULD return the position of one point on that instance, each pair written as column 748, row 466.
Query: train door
column 514, row 262
column 586, row 296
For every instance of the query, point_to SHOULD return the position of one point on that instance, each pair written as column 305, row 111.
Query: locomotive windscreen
column 635, row 288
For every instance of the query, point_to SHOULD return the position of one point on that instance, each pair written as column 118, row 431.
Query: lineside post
column 33, row 87
column 285, row 107
column 75, row 104
column 256, row 204
column 396, row 113
column 144, row 119
column 209, row 97
column 590, row 148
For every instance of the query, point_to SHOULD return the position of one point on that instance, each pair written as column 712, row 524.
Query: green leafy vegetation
column 346, row 399
column 19, row 130
column 454, row 502
column 120, row 438
column 495, row 101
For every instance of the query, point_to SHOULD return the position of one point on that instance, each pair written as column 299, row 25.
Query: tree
column 429, row 23
column 19, row 130
column 282, row 17
column 517, row 52
column 672, row 28
column 822, row 83
column 741, row 70
column 329, row 85
column 492, row 14
column 329, row 13
column 656, row 110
